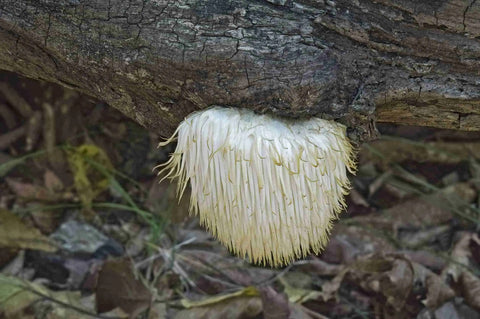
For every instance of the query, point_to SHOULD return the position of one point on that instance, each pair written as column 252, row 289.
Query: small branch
column 8, row 138
column 16, row 100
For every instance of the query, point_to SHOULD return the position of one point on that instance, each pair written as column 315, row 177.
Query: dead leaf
column 330, row 288
column 118, row 286
column 355, row 239
column 319, row 267
column 35, row 192
column 470, row 285
column 426, row 258
column 437, row 291
column 460, row 257
column 417, row 238
column 158, row 311
column 15, row 234
column 20, row 298
column 428, row 210
column 248, row 291
column 340, row 249
column 52, row 182
column 475, row 248
column 298, row 295
column 243, row 307
column 275, row 305
column 396, row 284
column 228, row 270
column 298, row 311
column 392, row 278
column 46, row 220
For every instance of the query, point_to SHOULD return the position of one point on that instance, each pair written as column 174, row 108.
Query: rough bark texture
column 357, row 61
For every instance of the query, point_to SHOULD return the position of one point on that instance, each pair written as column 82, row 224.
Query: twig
column 8, row 138
column 8, row 116
column 66, row 305
column 49, row 132
column 33, row 130
column 16, row 100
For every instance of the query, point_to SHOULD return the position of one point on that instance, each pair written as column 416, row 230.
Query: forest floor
column 86, row 230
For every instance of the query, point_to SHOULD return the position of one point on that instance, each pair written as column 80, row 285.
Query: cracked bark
column 407, row 62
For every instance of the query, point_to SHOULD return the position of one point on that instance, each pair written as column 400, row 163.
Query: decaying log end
column 359, row 62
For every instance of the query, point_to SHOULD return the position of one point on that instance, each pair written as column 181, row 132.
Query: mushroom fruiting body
column 266, row 187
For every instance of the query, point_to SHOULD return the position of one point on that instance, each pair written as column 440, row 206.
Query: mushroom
column 267, row 187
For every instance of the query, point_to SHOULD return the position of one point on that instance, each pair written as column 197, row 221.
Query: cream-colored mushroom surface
column 267, row 187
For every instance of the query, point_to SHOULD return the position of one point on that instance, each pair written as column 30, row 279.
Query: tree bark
column 356, row 61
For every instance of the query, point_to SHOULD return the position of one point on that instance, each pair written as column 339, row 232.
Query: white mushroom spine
column 267, row 187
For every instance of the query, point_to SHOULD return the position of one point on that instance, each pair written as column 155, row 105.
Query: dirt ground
column 86, row 230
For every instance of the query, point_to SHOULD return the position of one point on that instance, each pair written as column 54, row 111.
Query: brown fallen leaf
column 418, row 238
column 425, row 258
column 46, row 220
column 298, row 311
column 52, row 182
column 15, row 234
column 437, row 291
column 330, row 288
column 340, row 249
column 319, row 267
column 392, row 278
column 275, row 305
column 464, row 255
column 397, row 284
column 460, row 257
column 227, row 271
column 36, row 192
column 249, row 291
column 158, row 311
column 470, row 285
column 354, row 239
column 243, row 307
column 118, row 287
column 29, row 300
column 299, row 295
column 429, row 210
column 475, row 248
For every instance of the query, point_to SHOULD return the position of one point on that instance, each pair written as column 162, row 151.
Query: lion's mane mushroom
column 266, row 187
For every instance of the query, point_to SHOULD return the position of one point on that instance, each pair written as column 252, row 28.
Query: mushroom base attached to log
column 266, row 187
